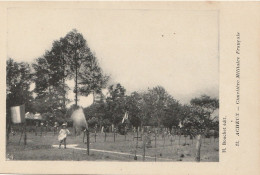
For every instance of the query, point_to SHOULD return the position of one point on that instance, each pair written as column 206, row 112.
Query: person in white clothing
column 63, row 135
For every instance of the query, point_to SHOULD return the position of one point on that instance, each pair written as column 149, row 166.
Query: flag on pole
column 125, row 117
column 79, row 119
column 18, row 114
column 180, row 125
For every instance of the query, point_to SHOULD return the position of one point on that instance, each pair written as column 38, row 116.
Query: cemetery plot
column 118, row 148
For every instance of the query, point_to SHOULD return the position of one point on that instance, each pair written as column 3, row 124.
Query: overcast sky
column 137, row 48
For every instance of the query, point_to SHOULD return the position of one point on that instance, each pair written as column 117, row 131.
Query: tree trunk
column 63, row 81
column 64, row 94
column 76, row 86
column 198, row 146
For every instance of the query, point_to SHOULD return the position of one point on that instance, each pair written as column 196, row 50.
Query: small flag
column 180, row 125
column 125, row 117
column 18, row 114
column 79, row 119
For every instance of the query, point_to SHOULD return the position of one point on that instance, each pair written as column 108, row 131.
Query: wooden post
column 137, row 139
column 198, row 146
column 41, row 130
column 163, row 140
column 25, row 135
column 144, row 149
column 105, row 135
column 142, row 133
column 95, row 135
column 21, row 135
column 135, row 158
column 114, row 136
column 36, row 126
column 84, row 134
column 87, row 141
column 155, row 146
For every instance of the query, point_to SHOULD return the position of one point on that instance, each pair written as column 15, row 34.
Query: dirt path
column 74, row 146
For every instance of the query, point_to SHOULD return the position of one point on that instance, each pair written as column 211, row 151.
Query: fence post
column 155, row 147
column 84, row 133
column 41, row 130
column 114, row 136
column 144, row 148
column 137, row 139
column 95, row 135
column 88, row 142
column 36, row 126
column 198, row 146
column 25, row 135
column 163, row 140
column 21, row 135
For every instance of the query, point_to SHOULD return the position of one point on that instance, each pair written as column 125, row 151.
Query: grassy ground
column 41, row 148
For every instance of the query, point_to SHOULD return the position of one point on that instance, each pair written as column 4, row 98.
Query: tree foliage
column 18, row 81
column 71, row 58
column 116, row 103
column 83, row 65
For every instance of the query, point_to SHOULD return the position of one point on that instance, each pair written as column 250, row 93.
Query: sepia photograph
column 130, row 88
column 133, row 85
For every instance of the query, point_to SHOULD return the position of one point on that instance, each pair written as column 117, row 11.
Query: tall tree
column 83, row 65
column 116, row 103
column 172, row 113
column 41, row 76
column 60, row 69
column 156, row 102
column 76, row 52
column 206, row 103
column 18, row 81
column 135, row 109
column 50, row 84
column 202, row 108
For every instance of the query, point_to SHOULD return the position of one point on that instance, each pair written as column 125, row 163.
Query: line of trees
column 154, row 107
column 70, row 58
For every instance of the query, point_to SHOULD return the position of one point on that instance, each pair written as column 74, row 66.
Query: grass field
column 123, row 149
